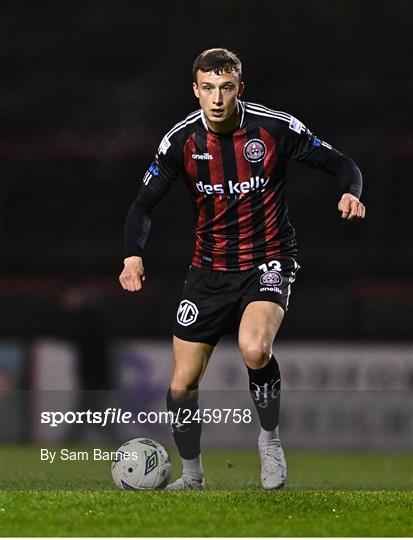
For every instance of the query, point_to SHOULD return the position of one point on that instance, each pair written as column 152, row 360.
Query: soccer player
column 232, row 155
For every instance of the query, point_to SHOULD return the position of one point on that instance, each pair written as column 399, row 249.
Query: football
column 141, row 464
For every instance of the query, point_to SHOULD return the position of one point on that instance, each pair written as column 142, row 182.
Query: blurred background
column 88, row 90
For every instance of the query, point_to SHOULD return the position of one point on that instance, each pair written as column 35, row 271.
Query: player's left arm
column 299, row 143
column 351, row 208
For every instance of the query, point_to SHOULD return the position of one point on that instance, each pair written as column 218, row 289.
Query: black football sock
column 265, row 388
column 186, row 432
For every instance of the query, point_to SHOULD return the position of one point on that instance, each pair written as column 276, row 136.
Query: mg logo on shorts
column 271, row 278
column 187, row 313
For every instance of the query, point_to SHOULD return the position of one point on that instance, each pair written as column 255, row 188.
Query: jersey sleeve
column 158, row 179
column 300, row 144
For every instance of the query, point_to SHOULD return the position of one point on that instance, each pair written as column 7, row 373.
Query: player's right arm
column 155, row 184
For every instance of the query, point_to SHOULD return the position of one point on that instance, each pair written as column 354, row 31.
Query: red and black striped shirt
column 238, row 182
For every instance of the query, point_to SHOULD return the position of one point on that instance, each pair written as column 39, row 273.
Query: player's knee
column 183, row 392
column 256, row 355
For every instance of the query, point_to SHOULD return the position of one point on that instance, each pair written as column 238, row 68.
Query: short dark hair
column 219, row 61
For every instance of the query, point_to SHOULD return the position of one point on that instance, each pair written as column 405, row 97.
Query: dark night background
column 88, row 90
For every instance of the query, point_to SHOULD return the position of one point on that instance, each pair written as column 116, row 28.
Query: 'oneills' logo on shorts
column 187, row 313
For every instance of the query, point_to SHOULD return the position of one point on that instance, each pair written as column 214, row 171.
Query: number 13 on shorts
column 272, row 265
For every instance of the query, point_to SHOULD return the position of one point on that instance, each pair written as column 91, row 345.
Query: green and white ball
column 141, row 464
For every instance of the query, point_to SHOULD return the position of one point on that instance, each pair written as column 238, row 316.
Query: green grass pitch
column 328, row 494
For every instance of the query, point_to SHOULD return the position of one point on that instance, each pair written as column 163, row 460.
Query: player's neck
column 229, row 125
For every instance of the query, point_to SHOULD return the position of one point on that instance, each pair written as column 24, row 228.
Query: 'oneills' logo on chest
column 205, row 155
column 232, row 187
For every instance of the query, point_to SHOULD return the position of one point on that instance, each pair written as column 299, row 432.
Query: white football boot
column 273, row 464
column 186, row 483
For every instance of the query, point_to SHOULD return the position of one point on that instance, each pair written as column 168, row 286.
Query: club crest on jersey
column 272, row 278
column 255, row 150
column 187, row 313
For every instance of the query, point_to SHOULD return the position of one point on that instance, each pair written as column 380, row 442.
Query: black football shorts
column 213, row 302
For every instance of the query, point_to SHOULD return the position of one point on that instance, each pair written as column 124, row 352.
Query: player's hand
column 351, row 208
column 133, row 274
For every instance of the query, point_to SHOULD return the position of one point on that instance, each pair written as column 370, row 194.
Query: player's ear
column 241, row 89
column 195, row 89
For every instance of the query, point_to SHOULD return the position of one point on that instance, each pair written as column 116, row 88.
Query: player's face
column 217, row 96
